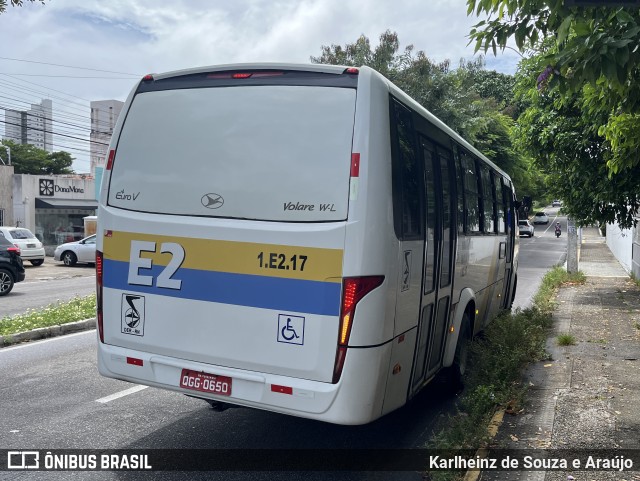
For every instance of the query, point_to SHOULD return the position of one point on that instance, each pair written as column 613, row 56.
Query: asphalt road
column 47, row 284
column 537, row 255
column 53, row 397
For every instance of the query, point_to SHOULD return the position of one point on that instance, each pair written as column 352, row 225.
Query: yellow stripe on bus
column 308, row 263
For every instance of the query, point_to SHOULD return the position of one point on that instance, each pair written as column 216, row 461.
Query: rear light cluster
column 112, row 156
column 353, row 290
column 134, row 361
column 244, row 75
column 99, row 294
column 15, row 249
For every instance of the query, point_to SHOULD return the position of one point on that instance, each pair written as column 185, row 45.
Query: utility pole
column 572, row 246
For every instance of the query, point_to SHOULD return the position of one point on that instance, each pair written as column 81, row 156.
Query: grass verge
column 78, row 309
column 494, row 379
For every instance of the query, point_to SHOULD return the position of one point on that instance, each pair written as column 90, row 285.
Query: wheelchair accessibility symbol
column 290, row 329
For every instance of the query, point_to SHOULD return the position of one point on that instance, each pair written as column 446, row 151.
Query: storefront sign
column 48, row 188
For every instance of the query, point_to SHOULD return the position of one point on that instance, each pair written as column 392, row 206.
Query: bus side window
column 460, row 188
column 409, row 173
column 471, row 197
column 500, row 203
column 487, row 201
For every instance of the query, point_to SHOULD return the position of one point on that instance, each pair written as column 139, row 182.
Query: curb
column 45, row 332
column 492, row 431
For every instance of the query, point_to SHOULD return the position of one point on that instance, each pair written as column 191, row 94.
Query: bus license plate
column 203, row 382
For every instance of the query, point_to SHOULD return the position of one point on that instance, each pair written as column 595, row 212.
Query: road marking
column 37, row 343
column 492, row 430
column 120, row 394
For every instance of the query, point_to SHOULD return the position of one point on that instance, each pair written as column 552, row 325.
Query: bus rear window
column 277, row 153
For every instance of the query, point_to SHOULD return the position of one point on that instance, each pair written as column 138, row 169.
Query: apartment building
column 31, row 126
column 104, row 115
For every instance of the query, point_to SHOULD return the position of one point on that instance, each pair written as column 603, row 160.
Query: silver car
column 83, row 251
column 31, row 249
column 525, row 228
column 541, row 218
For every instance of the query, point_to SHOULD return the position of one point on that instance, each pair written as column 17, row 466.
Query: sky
column 115, row 42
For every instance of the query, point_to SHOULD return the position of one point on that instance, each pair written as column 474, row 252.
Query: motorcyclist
column 558, row 229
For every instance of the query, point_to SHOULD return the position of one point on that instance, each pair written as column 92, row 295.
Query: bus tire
column 513, row 292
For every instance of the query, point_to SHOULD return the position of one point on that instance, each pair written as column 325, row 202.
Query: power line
column 69, row 66
column 68, row 115
column 83, row 151
column 44, row 87
column 65, row 76
column 54, row 133
column 76, row 129
column 27, row 89
column 13, row 85
column 80, row 127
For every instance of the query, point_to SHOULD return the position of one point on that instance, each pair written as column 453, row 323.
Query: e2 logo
column 164, row 279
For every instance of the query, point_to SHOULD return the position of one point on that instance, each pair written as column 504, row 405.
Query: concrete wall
column 620, row 244
column 635, row 262
column 6, row 193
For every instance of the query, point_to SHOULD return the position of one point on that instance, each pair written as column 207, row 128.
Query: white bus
column 304, row 239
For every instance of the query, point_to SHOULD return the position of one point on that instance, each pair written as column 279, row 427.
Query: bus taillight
column 353, row 290
column 112, row 156
column 99, row 294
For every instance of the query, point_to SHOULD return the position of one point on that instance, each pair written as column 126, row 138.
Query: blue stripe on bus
column 275, row 293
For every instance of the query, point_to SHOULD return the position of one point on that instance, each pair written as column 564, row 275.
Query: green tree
column 561, row 135
column 27, row 159
column 488, row 84
column 476, row 103
column 424, row 80
column 595, row 46
column 15, row 3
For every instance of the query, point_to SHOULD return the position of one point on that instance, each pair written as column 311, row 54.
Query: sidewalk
column 587, row 396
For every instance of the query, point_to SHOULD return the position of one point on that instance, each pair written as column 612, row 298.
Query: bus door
column 507, row 202
column 440, row 223
column 494, row 183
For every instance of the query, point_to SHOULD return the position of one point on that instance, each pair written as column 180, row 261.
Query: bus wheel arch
column 465, row 312
column 465, row 335
column 453, row 376
column 461, row 356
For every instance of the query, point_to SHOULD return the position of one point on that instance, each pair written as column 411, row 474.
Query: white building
column 52, row 206
column 104, row 115
column 31, row 126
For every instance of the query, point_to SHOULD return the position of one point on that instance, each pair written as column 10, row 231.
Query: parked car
column 83, row 251
column 11, row 267
column 556, row 203
column 541, row 218
column 31, row 249
column 525, row 228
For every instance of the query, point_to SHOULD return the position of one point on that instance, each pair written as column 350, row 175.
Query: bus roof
column 337, row 69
